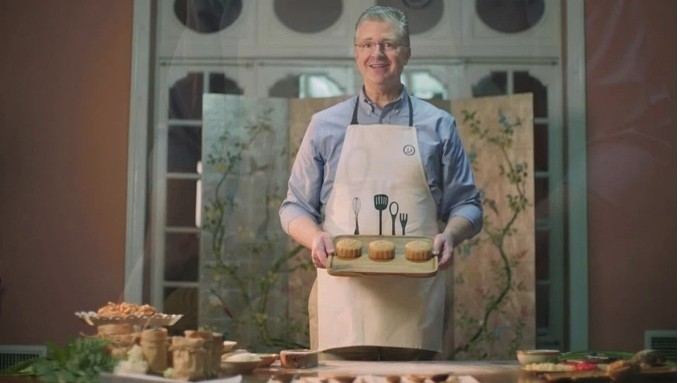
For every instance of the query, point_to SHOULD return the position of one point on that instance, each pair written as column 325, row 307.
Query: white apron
column 386, row 311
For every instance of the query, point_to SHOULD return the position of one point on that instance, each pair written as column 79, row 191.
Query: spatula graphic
column 380, row 202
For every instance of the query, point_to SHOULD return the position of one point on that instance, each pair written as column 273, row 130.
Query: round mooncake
column 418, row 250
column 348, row 248
column 381, row 250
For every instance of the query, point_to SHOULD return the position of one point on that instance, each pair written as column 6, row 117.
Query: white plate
column 155, row 320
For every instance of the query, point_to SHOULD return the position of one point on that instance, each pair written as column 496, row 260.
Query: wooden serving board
column 397, row 266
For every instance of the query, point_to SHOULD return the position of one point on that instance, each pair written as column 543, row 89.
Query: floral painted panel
column 244, row 253
column 492, row 288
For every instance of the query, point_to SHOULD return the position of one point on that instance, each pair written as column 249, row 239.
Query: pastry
column 299, row 358
column 648, row 358
column 381, row 250
column 348, row 248
column 124, row 310
column 622, row 371
column 418, row 250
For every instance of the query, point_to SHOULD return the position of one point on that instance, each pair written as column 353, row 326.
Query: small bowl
column 239, row 363
column 266, row 360
column 537, row 356
column 235, row 368
column 228, row 346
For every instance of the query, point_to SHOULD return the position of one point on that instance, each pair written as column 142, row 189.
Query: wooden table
column 467, row 371
column 482, row 371
column 470, row 372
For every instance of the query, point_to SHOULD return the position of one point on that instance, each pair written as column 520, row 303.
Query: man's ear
column 407, row 55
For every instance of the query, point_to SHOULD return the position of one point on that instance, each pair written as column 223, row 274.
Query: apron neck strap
column 410, row 112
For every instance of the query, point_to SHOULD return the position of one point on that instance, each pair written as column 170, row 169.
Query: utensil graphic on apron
column 380, row 203
column 393, row 214
column 403, row 218
column 356, row 206
column 386, row 311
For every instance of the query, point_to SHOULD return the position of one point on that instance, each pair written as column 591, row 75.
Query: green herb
column 80, row 361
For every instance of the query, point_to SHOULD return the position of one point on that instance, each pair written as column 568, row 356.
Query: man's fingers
column 328, row 243
column 321, row 248
column 445, row 260
column 438, row 245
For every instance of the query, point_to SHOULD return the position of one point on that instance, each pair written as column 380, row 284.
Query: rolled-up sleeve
column 304, row 184
column 460, row 196
column 313, row 172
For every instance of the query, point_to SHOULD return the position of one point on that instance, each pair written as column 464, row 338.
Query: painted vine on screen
column 255, row 286
column 474, row 328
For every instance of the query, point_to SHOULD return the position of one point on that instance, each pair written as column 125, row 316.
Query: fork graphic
column 403, row 218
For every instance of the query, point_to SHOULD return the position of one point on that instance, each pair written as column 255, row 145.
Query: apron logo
column 409, row 150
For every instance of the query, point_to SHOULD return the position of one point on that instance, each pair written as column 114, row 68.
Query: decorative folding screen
column 493, row 284
column 254, row 283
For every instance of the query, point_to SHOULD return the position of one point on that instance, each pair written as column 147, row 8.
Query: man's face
column 379, row 54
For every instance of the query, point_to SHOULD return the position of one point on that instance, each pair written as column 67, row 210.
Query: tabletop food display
column 553, row 366
column 132, row 344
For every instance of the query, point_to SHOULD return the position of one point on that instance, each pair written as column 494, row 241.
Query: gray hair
column 383, row 13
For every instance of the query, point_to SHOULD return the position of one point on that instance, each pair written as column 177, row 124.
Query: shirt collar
column 369, row 106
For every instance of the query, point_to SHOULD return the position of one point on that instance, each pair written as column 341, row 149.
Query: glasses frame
column 384, row 46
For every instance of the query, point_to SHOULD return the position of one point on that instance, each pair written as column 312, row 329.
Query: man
column 398, row 146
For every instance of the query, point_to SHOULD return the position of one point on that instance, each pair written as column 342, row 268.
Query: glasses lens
column 387, row 46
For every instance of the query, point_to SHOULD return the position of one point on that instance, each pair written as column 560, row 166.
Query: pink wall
column 65, row 75
column 631, row 120
column 65, row 70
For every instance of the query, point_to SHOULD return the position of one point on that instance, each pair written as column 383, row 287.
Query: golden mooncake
column 348, row 248
column 381, row 250
column 418, row 250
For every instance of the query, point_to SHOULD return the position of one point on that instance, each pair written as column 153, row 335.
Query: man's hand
column 457, row 229
column 307, row 233
column 322, row 247
column 442, row 248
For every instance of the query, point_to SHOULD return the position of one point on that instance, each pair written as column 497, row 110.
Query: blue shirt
column 444, row 160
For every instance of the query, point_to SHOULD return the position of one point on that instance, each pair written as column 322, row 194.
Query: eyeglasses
column 369, row 46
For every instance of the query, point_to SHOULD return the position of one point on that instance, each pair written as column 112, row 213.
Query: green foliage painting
column 493, row 283
column 245, row 257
